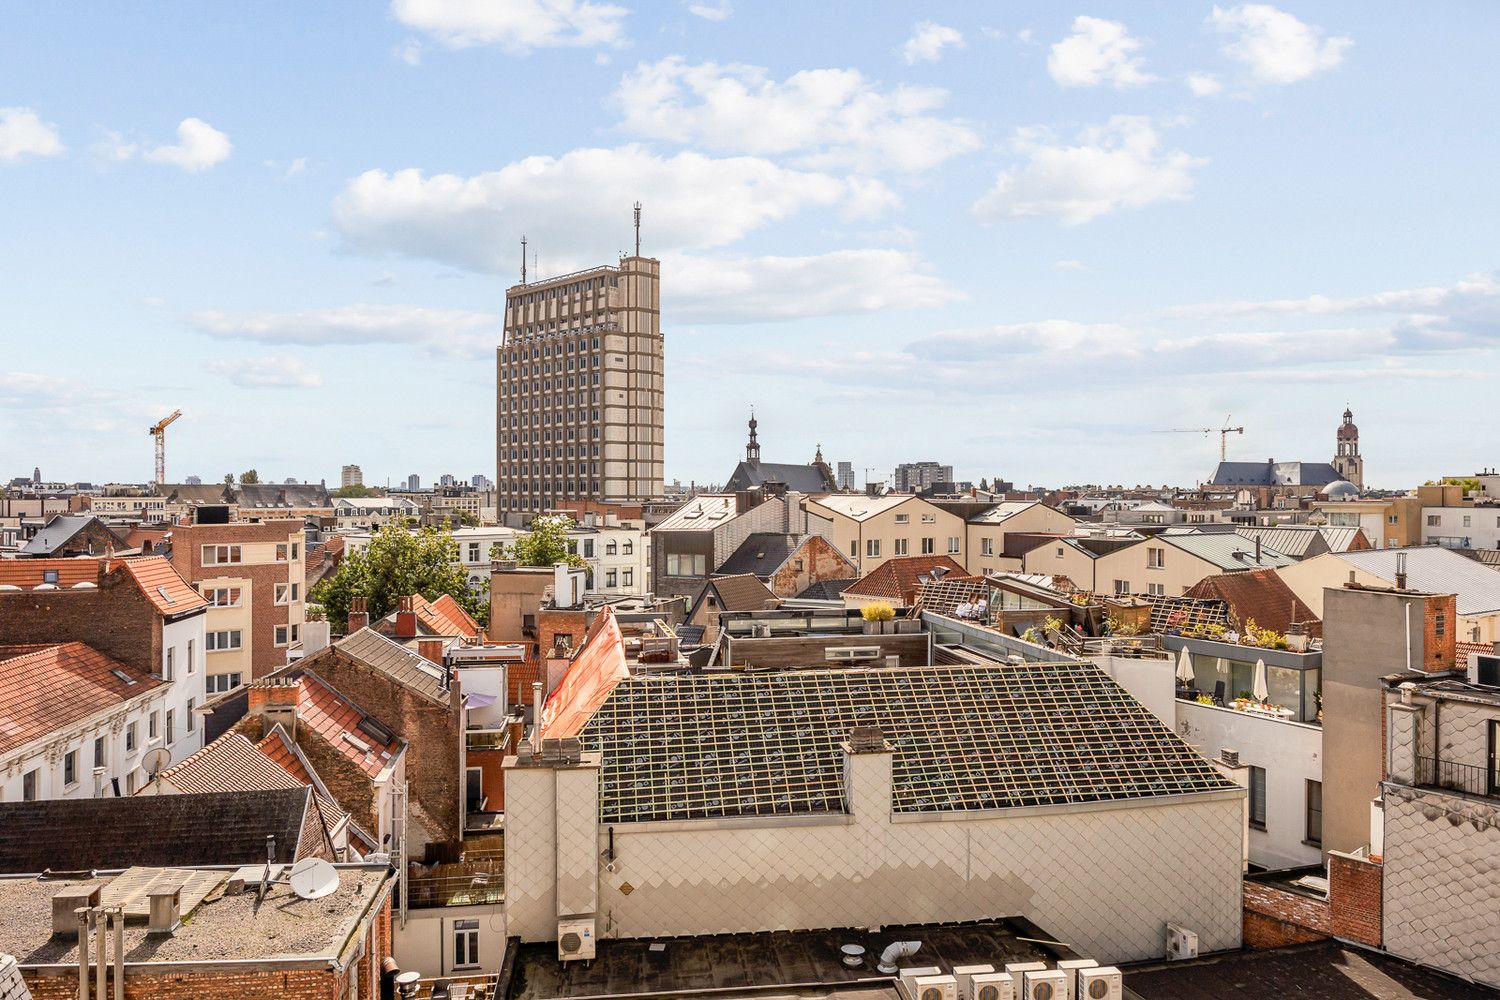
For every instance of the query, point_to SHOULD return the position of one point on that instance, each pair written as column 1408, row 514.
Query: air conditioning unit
column 1070, row 968
column 936, row 987
column 1044, row 984
column 575, row 940
column 965, row 975
column 906, row 980
column 993, row 986
column 1018, row 969
column 1103, row 983
column 1181, row 943
column 849, row 653
column 1484, row 670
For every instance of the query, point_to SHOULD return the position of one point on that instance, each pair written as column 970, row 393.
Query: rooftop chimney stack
column 406, row 618
column 359, row 617
column 166, row 908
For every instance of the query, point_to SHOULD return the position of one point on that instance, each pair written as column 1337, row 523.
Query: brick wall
column 1440, row 648
column 1355, row 887
column 1275, row 917
column 295, row 984
column 116, row 619
column 349, row 785
column 820, row 561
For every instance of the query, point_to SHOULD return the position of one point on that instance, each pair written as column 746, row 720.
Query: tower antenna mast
column 637, row 229
column 523, row 258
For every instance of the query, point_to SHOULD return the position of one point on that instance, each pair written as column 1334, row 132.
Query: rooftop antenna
column 637, row 229
column 523, row 258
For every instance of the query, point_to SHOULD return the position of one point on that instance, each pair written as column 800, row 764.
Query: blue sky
column 1018, row 238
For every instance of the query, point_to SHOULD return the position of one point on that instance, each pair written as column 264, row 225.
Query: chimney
column 276, row 700
column 65, row 904
column 431, row 650
column 1400, row 570
column 1257, row 550
column 166, row 908
column 359, row 617
column 406, row 618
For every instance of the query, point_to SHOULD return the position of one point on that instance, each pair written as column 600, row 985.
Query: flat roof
column 792, row 963
column 222, row 928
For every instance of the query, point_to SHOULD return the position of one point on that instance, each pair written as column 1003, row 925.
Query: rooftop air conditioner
column 965, row 975
column 1103, row 983
column 1044, row 984
column 1484, row 670
column 840, row 653
column 934, row 987
column 1181, row 943
column 1071, row 967
column 992, row 986
column 1018, row 969
column 575, row 940
column 906, row 980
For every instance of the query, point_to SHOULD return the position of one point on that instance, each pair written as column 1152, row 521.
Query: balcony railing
column 1470, row 779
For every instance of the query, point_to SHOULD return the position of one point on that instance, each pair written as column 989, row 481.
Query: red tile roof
column 29, row 573
column 337, row 720
column 48, row 688
column 445, row 616
column 1465, row 648
column 1260, row 594
column 896, row 579
column 154, row 575
column 166, row 588
column 230, row 763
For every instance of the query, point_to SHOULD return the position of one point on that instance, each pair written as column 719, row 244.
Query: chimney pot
column 166, row 908
column 65, row 904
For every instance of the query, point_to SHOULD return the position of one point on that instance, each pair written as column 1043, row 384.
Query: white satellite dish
column 314, row 878
column 156, row 761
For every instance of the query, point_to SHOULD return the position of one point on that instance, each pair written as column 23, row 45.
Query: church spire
column 752, row 449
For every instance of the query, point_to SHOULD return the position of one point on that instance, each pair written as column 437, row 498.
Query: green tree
column 546, row 544
column 249, row 477
column 353, row 491
column 229, row 479
column 396, row 563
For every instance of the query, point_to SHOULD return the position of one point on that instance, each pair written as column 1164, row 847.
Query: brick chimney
column 431, row 650
column 359, row 617
column 1440, row 633
column 406, row 618
column 277, row 700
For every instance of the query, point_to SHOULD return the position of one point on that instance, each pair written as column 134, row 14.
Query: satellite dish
column 314, row 878
column 156, row 761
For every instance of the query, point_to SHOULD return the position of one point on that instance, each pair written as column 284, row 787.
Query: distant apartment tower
column 480, row 481
column 579, row 394
column 414, row 482
column 846, row 475
column 913, row 477
column 350, row 475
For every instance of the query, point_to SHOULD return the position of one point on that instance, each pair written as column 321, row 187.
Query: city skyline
column 1003, row 225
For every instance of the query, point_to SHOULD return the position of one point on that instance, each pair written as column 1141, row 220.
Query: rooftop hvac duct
column 897, row 950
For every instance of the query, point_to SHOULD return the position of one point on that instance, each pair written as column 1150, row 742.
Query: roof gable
column 896, row 578
column 46, row 688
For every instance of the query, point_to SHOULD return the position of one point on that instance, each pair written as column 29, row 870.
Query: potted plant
column 878, row 617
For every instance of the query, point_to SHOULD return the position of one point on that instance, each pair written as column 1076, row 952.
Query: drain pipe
column 895, row 950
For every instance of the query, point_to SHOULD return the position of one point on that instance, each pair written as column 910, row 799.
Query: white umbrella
column 1185, row 666
column 1259, row 689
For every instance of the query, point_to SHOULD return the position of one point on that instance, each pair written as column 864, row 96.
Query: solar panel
column 965, row 738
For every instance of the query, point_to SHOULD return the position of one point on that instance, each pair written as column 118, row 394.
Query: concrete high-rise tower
column 579, row 388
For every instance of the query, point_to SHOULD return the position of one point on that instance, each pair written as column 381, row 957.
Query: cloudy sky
column 1023, row 239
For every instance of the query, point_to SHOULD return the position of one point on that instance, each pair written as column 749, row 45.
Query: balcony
column 1465, row 779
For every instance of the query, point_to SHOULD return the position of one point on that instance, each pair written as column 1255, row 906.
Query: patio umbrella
column 1185, row 666
column 1259, row 689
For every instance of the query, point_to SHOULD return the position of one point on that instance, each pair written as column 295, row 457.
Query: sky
column 1028, row 240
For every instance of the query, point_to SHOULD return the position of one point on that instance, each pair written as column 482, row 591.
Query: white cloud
column 266, row 373
column 759, row 289
column 516, row 26
column 826, row 117
column 115, row 147
column 23, row 133
column 927, row 42
column 438, row 331
column 1204, row 84
column 1098, row 51
column 409, row 52
column 691, row 201
column 1277, row 47
column 199, row 146
column 711, row 10
column 1120, row 164
column 1069, row 265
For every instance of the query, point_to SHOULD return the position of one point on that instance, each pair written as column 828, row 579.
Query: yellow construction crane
column 1223, row 433
column 159, row 432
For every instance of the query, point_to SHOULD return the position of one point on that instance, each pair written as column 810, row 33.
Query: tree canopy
column 354, row 491
column 396, row 563
column 546, row 544
column 249, row 477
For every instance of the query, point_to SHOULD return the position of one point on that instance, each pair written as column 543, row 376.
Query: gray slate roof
column 1227, row 550
column 55, row 535
column 1273, row 474
column 827, row 590
column 694, row 746
column 802, row 478
column 395, row 661
column 1436, row 570
column 762, row 553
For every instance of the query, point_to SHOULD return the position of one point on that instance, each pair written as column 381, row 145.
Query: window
column 610, row 547
column 986, row 546
column 281, row 634
column 929, row 518
column 219, row 555
column 1059, row 552
column 1315, row 812
column 1156, row 589
column 49, row 576
column 281, row 552
column 220, row 641
column 899, row 547
column 283, row 593
column 1439, row 623
column 1467, row 519
column 473, row 552
column 627, row 547
column 171, row 726
column 465, row 944
column 191, row 651
column 1434, row 520
column 190, row 722
column 70, row 767
column 588, row 548
column 151, row 723
column 219, row 683
column 1122, row 587
column 952, row 545
column 29, row 785
column 1155, row 557
column 223, row 597
column 854, row 548
column 169, row 670
column 130, row 731
column 903, row 518
column 872, row 548
column 296, row 550
column 627, row 577
column 1258, row 797
column 929, row 546
column 99, row 752
column 610, row 579
column 1391, row 519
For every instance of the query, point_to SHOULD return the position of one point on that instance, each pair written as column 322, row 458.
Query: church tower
column 752, row 449
column 1346, row 460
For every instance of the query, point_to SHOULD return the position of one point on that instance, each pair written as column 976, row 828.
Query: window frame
column 1311, row 836
column 1257, row 819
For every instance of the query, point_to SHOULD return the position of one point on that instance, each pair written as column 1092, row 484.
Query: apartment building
column 871, row 530
column 914, row 477
column 618, row 555
column 987, row 531
column 579, row 389
column 252, row 575
column 1165, row 565
column 351, row 475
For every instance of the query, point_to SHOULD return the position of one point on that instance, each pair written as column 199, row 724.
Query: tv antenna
column 523, row 258
column 637, row 229
column 156, row 761
column 313, row 878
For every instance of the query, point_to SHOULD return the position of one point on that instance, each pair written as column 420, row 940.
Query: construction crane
column 1223, row 433
column 159, row 432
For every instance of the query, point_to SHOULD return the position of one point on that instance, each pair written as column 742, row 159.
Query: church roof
column 802, row 478
column 1274, row 474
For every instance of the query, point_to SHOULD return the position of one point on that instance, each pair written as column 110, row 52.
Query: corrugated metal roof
column 395, row 661
column 1436, row 570
column 701, row 513
column 1002, row 511
column 1227, row 550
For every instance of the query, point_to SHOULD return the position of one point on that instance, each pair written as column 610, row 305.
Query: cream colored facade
column 985, row 541
column 580, row 389
column 1097, row 875
column 1309, row 578
column 1391, row 523
column 870, row 530
column 1152, row 566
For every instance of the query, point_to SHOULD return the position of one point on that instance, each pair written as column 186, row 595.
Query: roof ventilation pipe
column 896, row 950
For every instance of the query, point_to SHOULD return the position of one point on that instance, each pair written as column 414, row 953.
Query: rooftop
column 1003, row 511
column 859, row 507
column 222, row 927
column 57, row 532
column 896, row 579
column 44, row 688
column 1260, row 596
column 692, row 746
column 1436, row 570
column 1227, row 550
column 703, row 512
column 395, row 661
column 762, row 554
